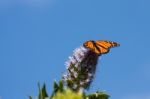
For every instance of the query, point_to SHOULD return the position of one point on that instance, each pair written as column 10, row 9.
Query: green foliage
column 57, row 87
column 60, row 92
column 30, row 97
column 42, row 92
column 68, row 94
column 98, row 95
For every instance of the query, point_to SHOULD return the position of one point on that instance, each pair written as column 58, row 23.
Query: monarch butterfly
column 100, row 46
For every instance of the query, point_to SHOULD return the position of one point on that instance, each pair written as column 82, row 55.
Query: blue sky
column 38, row 36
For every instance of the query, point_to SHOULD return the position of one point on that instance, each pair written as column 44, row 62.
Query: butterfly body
column 101, row 46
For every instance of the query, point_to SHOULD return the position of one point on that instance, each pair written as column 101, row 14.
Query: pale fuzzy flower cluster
column 77, row 57
column 81, row 68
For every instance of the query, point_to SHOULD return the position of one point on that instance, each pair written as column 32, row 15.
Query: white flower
column 81, row 68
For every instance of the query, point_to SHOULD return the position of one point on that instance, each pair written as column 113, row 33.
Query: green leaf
column 56, row 86
column 98, row 95
column 39, row 96
column 42, row 92
column 61, row 86
column 30, row 97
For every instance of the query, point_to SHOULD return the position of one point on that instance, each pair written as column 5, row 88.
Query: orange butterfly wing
column 100, row 47
column 104, row 46
column 91, row 46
